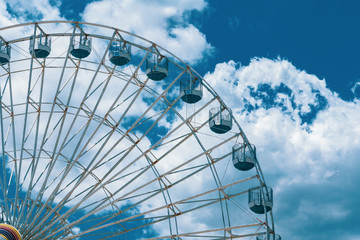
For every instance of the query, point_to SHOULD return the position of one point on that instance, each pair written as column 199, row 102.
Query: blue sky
column 290, row 72
column 317, row 36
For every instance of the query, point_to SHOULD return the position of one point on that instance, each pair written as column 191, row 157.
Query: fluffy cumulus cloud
column 356, row 90
column 163, row 22
column 23, row 11
column 307, row 140
column 5, row 17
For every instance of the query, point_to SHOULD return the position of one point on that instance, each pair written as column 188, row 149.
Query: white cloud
column 5, row 18
column 311, row 146
column 296, row 154
column 33, row 10
column 162, row 22
column 326, row 210
column 356, row 89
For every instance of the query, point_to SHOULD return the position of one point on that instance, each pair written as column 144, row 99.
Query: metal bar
column 109, row 180
column 51, row 198
column 3, row 180
column 162, row 207
column 39, row 196
column 175, row 183
column 101, row 206
column 123, row 135
column 24, row 130
column 35, row 160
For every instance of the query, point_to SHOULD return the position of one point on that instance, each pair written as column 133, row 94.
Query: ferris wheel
column 106, row 135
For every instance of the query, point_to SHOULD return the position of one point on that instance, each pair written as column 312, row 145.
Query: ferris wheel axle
column 8, row 232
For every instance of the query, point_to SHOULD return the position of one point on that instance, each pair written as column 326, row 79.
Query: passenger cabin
column 190, row 88
column 271, row 237
column 81, row 46
column 243, row 159
column 157, row 67
column 256, row 202
column 40, row 45
column 5, row 52
column 119, row 52
column 220, row 120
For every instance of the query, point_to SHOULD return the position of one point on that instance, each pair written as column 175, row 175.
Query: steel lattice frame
column 95, row 151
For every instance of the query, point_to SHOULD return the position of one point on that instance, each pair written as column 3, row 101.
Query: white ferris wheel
column 106, row 135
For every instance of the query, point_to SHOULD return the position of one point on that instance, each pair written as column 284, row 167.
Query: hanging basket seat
column 81, row 47
column 220, row 121
column 256, row 202
column 119, row 53
column 40, row 46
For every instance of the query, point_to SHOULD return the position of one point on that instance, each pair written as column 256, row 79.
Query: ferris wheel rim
column 209, row 88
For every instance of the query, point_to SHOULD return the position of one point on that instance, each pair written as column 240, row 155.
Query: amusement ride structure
column 106, row 135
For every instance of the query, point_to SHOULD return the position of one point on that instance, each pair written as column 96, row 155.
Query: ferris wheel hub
column 8, row 232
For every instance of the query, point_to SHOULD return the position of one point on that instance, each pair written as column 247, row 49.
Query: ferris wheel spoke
column 68, row 81
column 201, row 234
column 148, row 151
column 3, row 180
column 150, row 108
column 40, row 194
column 71, row 126
column 95, row 186
column 11, row 214
column 21, row 208
column 132, row 147
column 212, row 168
column 102, row 206
column 120, row 95
column 208, row 156
column 174, row 214
column 37, row 107
column 94, row 133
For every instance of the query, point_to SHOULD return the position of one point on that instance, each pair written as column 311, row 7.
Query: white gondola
column 157, row 67
column 81, row 46
column 40, row 45
column 256, row 202
column 220, row 120
column 190, row 89
column 5, row 52
column 119, row 52
column 243, row 159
